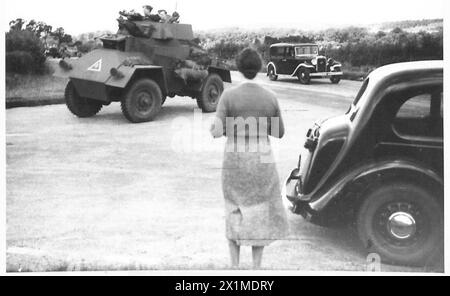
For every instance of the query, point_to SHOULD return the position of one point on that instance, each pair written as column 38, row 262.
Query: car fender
column 302, row 65
column 386, row 168
column 334, row 66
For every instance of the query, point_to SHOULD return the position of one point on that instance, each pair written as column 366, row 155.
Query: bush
column 24, row 53
column 19, row 62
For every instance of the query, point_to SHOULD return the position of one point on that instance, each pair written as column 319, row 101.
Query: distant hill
column 412, row 26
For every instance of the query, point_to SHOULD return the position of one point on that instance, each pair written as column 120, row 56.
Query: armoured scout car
column 142, row 68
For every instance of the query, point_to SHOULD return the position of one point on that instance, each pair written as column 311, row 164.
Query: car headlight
column 314, row 61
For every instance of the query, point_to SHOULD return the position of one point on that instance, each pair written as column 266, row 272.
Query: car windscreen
column 306, row 50
column 358, row 97
column 361, row 92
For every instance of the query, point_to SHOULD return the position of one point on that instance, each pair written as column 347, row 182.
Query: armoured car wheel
column 211, row 91
column 80, row 106
column 335, row 79
column 142, row 101
column 272, row 75
column 303, row 76
column 401, row 222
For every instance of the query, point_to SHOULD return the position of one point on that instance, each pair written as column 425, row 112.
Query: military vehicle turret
column 140, row 66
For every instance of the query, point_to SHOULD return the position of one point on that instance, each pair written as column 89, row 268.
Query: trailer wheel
column 303, row 76
column 142, row 101
column 401, row 222
column 210, row 93
column 80, row 106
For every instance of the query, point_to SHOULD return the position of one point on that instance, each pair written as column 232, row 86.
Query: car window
column 415, row 107
column 277, row 52
column 416, row 117
column 290, row 52
column 306, row 50
column 361, row 91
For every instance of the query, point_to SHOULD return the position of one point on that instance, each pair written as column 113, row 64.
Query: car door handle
column 284, row 60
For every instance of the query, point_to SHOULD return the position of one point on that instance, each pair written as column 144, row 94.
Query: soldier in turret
column 148, row 14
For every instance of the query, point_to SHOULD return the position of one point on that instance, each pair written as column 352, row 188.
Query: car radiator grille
column 321, row 65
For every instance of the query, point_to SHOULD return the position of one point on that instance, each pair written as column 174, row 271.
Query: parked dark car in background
column 303, row 61
column 380, row 166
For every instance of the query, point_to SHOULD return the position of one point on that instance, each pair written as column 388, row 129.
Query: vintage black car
column 302, row 61
column 380, row 166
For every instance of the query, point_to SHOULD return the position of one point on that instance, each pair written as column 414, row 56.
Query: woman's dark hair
column 249, row 63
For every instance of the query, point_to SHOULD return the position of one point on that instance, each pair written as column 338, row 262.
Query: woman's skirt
column 254, row 211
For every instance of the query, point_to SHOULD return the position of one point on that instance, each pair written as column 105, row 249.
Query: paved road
column 101, row 193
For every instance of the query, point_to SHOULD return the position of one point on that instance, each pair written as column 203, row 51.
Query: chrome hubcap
column 401, row 225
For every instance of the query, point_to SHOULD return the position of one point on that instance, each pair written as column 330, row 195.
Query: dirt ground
column 103, row 194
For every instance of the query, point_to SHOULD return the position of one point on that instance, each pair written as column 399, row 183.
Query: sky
column 82, row 16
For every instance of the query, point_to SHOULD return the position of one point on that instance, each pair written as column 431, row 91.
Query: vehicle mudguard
column 223, row 73
column 385, row 169
column 302, row 65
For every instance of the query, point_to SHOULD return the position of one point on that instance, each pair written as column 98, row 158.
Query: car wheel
column 142, row 101
column 272, row 75
column 303, row 76
column 80, row 106
column 210, row 93
column 335, row 79
column 401, row 222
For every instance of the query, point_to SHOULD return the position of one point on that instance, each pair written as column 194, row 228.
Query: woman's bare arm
column 277, row 124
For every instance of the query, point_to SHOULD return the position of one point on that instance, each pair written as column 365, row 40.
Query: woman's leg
column 234, row 253
column 257, row 252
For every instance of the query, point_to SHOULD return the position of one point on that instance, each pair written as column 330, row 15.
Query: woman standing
column 247, row 115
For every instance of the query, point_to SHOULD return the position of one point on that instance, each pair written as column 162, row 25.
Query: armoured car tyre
column 401, row 222
column 272, row 75
column 80, row 106
column 303, row 76
column 211, row 91
column 335, row 79
column 142, row 101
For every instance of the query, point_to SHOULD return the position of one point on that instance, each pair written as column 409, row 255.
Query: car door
column 288, row 63
column 277, row 57
column 417, row 129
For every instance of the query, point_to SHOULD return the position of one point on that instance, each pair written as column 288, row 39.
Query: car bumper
column 326, row 74
column 293, row 200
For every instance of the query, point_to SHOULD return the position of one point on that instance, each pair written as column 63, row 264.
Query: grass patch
column 34, row 87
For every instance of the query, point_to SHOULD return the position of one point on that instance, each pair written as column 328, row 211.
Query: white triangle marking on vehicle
column 97, row 66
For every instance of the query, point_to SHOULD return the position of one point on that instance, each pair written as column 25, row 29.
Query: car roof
column 292, row 44
column 388, row 72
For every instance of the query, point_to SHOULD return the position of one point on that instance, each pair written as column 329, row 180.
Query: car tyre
column 401, row 222
column 78, row 105
column 304, row 76
column 335, row 79
column 271, row 73
column 210, row 93
column 142, row 101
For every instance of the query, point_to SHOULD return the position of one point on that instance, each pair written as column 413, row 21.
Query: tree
column 24, row 52
column 16, row 25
